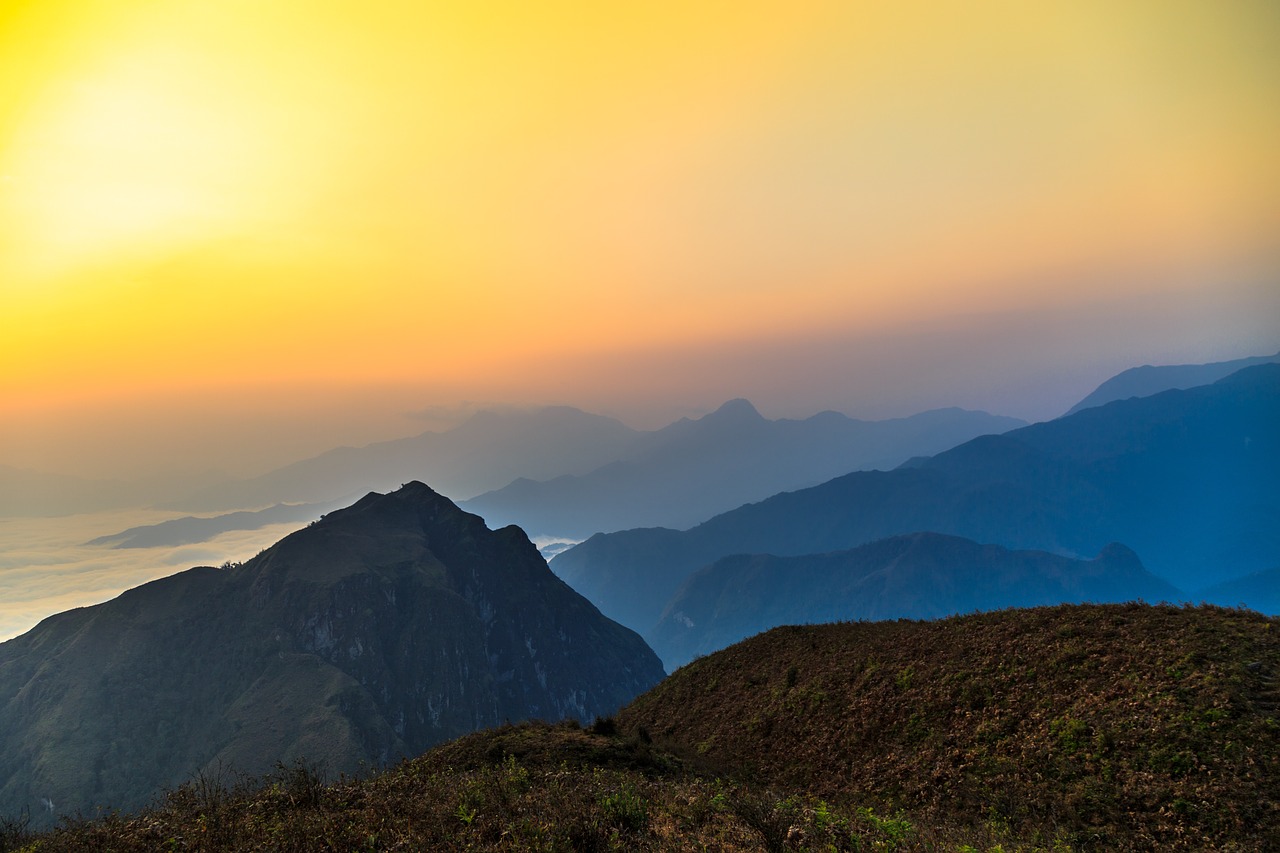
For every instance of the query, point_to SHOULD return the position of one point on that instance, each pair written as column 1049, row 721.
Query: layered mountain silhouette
column 915, row 576
column 487, row 451
column 693, row 469
column 377, row 631
column 559, row 471
column 1186, row 478
column 1147, row 380
column 182, row 531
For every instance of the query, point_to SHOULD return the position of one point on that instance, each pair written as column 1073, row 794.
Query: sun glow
column 396, row 191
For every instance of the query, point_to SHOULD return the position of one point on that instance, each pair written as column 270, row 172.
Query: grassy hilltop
column 1119, row 727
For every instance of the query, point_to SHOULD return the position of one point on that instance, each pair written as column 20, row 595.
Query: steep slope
column 1121, row 726
column 693, row 469
column 489, row 450
column 374, row 633
column 916, row 576
column 1184, row 478
column 1147, row 380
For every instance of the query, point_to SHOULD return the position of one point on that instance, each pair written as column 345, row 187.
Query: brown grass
column 1112, row 727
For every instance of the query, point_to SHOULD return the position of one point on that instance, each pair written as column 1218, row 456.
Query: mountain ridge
column 1182, row 477
column 693, row 469
column 1148, row 379
column 914, row 576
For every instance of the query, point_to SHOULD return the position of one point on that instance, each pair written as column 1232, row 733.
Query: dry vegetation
column 1109, row 727
column 1070, row 728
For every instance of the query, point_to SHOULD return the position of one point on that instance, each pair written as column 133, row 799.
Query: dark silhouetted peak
column 369, row 635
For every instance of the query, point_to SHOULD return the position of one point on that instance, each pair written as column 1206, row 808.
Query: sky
column 235, row 234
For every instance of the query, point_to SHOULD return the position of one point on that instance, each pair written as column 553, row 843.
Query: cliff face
column 380, row 630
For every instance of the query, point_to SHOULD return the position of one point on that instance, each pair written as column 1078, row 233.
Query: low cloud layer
column 45, row 567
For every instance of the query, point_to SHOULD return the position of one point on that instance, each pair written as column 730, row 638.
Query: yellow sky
column 202, row 195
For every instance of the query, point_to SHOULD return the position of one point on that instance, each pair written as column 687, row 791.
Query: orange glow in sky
column 468, row 196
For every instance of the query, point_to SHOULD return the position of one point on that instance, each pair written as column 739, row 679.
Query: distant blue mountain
column 916, row 576
column 1147, row 380
column 1259, row 591
column 487, row 451
column 1187, row 478
column 694, row 469
column 184, row 531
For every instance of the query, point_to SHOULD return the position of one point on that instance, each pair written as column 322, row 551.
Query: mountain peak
column 380, row 630
column 736, row 410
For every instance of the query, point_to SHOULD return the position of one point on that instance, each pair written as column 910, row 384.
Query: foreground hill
column 1147, row 380
column 1071, row 728
column 1184, row 478
column 693, row 469
column 375, row 633
column 916, row 576
column 1126, row 725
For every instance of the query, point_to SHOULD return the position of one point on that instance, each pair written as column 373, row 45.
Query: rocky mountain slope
column 374, row 633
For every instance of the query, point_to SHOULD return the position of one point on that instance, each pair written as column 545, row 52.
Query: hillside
column 1184, row 478
column 375, row 633
column 691, row 470
column 916, row 576
column 1066, row 729
column 1131, row 727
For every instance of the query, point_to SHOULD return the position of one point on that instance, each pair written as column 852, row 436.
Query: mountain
column 1259, row 591
column 693, row 469
column 487, row 451
column 372, row 634
column 184, row 531
column 1118, row 728
column 916, row 576
column 1147, row 380
column 1185, row 478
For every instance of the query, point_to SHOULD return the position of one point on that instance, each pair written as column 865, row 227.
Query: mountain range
column 370, row 635
column 1147, row 380
column 487, row 451
column 1184, row 477
column 915, row 576
column 694, row 469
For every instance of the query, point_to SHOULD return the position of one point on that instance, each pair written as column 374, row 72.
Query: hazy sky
column 236, row 233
